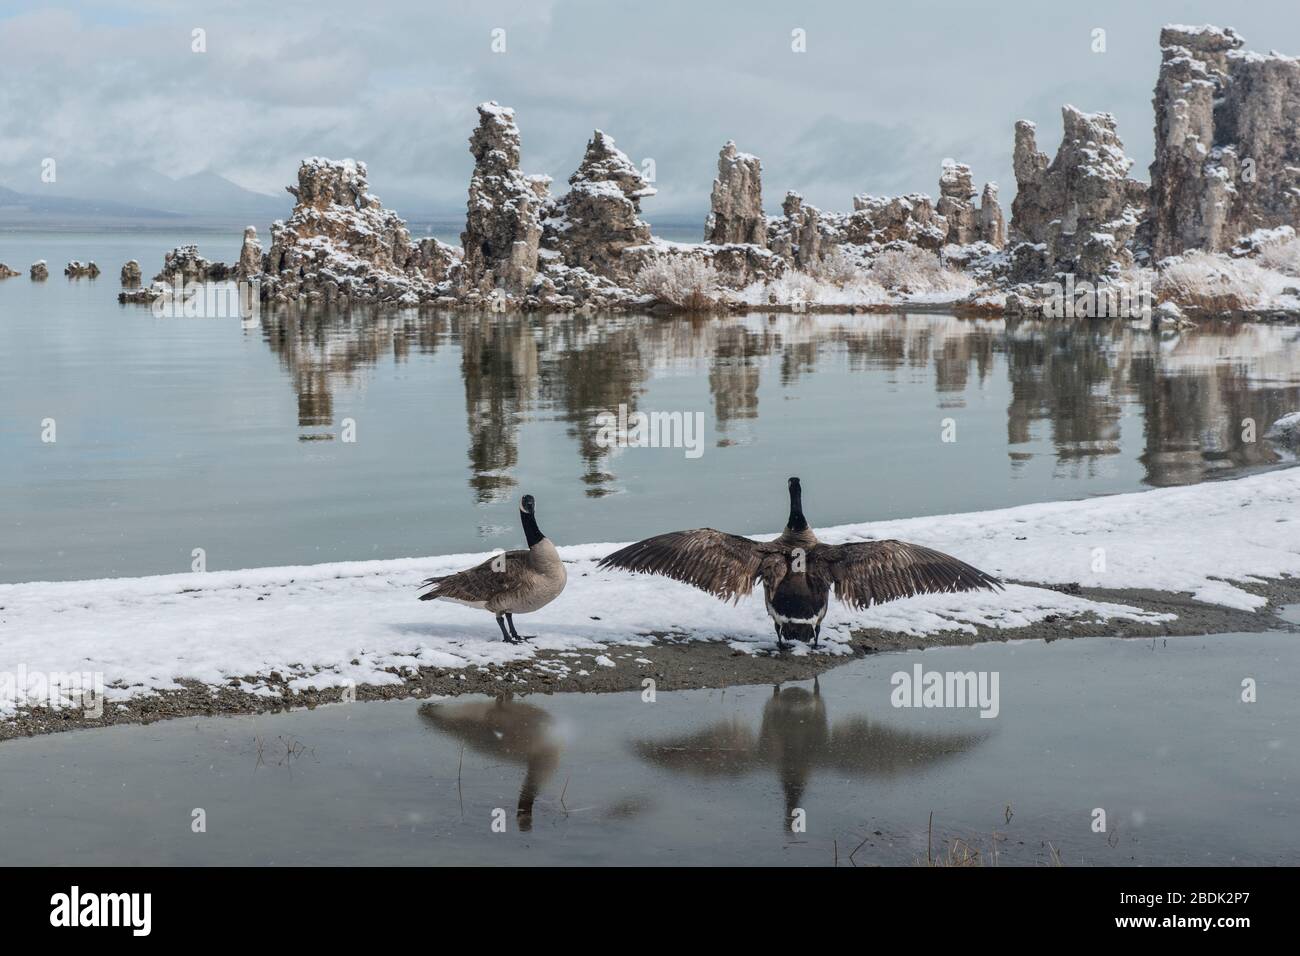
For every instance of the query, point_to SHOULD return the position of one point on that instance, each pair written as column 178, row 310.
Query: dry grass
column 684, row 281
column 960, row 852
column 836, row 268
column 914, row 270
column 283, row 752
column 796, row 284
column 1214, row 283
column 1283, row 257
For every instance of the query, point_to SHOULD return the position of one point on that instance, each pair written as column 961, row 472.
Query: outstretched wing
column 872, row 572
column 725, row 565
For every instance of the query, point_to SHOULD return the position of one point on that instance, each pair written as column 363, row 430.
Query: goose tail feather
column 432, row 593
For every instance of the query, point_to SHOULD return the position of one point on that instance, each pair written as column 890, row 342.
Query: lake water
column 176, row 434
column 1154, row 733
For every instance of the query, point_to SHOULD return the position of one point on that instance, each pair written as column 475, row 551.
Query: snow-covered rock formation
column 76, row 269
column 877, row 220
column 967, row 222
column 1081, row 210
column 599, row 218
column 1215, row 233
column 992, row 223
column 249, row 265
column 957, row 204
column 503, row 222
column 1227, row 131
column 341, row 245
column 184, row 264
column 797, row 236
column 736, row 205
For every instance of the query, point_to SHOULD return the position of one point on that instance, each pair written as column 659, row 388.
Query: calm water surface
column 175, row 434
column 1153, row 732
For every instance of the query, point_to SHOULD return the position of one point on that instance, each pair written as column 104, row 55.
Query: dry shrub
column 837, row 268
column 1283, row 257
column 913, row 270
column 687, row 282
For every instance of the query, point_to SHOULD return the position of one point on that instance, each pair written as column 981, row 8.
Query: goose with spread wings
column 798, row 571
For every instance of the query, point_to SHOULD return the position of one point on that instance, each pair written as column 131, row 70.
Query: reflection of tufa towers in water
column 1194, row 402
column 1081, row 390
column 325, row 352
column 1202, row 411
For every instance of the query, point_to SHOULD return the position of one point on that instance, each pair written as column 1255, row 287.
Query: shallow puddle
column 1155, row 733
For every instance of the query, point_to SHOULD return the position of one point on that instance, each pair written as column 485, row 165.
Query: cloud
column 881, row 96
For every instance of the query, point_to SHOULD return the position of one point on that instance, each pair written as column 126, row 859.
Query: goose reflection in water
column 795, row 738
column 509, row 729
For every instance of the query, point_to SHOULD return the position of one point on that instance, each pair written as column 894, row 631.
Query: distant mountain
column 138, row 192
column 27, row 209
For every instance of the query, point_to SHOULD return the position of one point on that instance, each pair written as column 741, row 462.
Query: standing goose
column 507, row 584
column 798, row 571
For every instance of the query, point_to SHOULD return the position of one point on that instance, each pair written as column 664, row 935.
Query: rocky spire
column 1029, row 214
column 992, row 225
column 736, row 207
column 957, row 203
column 503, row 225
column 250, row 255
column 797, row 237
column 1082, row 207
column 1227, row 141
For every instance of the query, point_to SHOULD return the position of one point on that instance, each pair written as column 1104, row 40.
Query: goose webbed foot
column 510, row 619
column 780, row 639
column 505, row 635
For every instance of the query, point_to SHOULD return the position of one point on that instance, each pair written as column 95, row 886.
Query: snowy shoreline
column 277, row 632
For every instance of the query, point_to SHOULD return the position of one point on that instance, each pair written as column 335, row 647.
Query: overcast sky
column 882, row 95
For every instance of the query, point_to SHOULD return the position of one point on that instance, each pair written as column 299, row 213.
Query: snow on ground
column 331, row 624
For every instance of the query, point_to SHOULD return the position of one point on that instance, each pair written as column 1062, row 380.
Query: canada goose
column 798, row 571
column 507, row 584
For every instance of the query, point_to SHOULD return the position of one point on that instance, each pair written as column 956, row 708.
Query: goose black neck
column 797, row 521
column 532, row 533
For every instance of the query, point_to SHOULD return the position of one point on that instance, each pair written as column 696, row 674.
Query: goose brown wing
column 725, row 565
column 872, row 572
column 480, row 582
